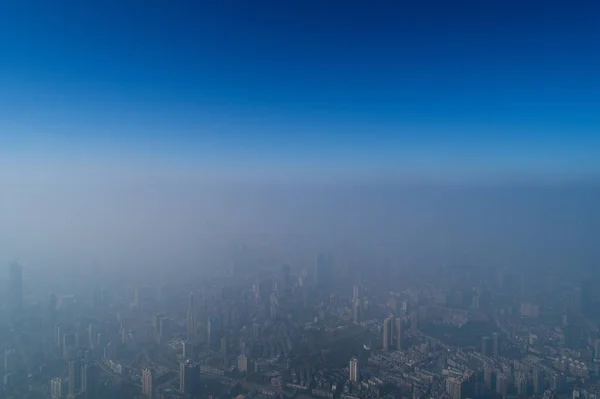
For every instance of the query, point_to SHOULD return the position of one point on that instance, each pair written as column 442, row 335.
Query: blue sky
column 428, row 87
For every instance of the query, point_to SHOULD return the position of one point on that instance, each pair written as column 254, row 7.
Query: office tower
column 191, row 320
column 399, row 333
column 147, row 382
column 56, row 388
column 354, row 372
column 486, row 345
column 15, row 287
column 89, row 379
column 387, row 333
column 74, row 376
column 495, row 344
column 357, row 312
column 187, row 376
column 355, row 292
column 242, row 362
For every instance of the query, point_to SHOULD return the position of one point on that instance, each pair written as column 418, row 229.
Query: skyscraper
column 354, row 372
column 56, row 388
column 495, row 344
column 357, row 312
column 387, row 332
column 399, row 333
column 209, row 332
column 15, row 287
column 89, row 379
column 147, row 382
column 74, row 376
column 486, row 345
column 187, row 371
column 191, row 320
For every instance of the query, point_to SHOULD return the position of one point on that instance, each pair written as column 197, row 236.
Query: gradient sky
column 418, row 88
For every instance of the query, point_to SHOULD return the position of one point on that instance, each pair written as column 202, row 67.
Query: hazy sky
column 116, row 118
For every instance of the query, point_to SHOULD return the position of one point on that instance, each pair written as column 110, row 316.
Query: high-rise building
column 187, row 371
column 495, row 344
column 501, row 384
column 486, row 346
column 355, row 292
column 242, row 362
column 521, row 385
column 74, row 376
column 488, row 378
column 357, row 312
column 15, row 287
column 89, row 379
column 58, row 335
column 209, row 332
column 538, row 381
column 387, row 333
column 399, row 333
column 224, row 346
column 191, row 319
column 454, row 387
column 56, row 388
column 147, row 382
column 354, row 371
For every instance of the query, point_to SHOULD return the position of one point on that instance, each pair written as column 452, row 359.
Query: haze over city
column 351, row 183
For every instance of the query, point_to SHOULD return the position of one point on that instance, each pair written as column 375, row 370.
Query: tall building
column 209, row 332
column 495, row 344
column 242, row 363
column 387, row 333
column 187, row 371
column 486, row 346
column 454, row 388
column 399, row 333
column 191, row 319
column 56, row 388
column 188, row 350
column 354, row 371
column 357, row 312
column 15, row 287
column 74, row 376
column 488, row 378
column 538, row 381
column 224, row 346
column 355, row 292
column 89, row 379
column 147, row 382
column 521, row 385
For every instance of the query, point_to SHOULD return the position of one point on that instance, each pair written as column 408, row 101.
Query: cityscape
column 321, row 330
column 299, row 199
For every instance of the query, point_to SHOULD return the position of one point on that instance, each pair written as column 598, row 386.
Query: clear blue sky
column 427, row 86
